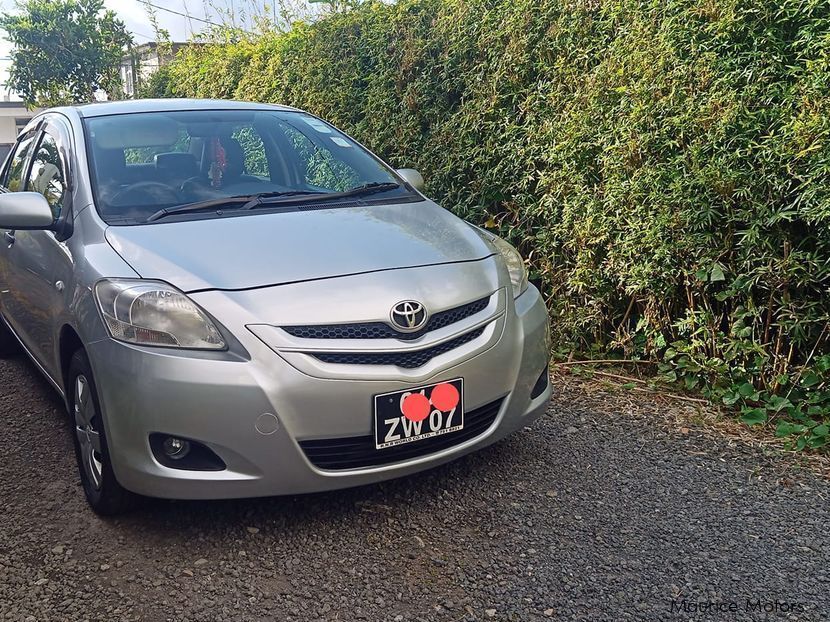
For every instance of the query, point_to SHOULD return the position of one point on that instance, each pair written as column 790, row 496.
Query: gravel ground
column 593, row 514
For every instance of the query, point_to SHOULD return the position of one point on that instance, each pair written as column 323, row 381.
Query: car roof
column 168, row 105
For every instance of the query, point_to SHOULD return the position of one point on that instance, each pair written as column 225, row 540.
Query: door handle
column 9, row 235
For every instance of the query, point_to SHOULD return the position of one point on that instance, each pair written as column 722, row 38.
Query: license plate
column 419, row 413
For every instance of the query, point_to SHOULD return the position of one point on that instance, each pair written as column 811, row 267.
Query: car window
column 147, row 155
column 46, row 173
column 145, row 162
column 320, row 168
column 14, row 176
column 255, row 160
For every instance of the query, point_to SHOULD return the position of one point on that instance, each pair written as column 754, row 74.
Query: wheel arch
column 69, row 342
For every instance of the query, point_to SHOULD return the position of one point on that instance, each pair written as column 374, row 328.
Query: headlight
column 151, row 313
column 515, row 265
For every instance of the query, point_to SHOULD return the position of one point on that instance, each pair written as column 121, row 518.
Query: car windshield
column 153, row 163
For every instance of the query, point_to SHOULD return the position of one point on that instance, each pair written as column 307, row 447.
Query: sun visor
column 123, row 131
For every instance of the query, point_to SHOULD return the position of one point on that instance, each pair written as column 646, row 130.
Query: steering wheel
column 153, row 190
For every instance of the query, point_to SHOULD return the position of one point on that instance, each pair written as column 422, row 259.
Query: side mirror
column 413, row 178
column 25, row 210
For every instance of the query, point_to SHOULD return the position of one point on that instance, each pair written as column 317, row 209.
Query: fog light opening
column 185, row 454
column 176, row 448
column 541, row 384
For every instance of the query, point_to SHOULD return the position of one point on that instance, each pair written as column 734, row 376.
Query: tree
column 64, row 50
column 157, row 84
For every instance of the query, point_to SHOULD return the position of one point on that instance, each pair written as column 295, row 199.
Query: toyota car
column 239, row 300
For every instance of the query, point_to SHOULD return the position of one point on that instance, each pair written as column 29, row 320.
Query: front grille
column 407, row 360
column 354, row 452
column 379, row 330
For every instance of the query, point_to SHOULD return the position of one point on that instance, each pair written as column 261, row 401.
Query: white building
column 13, row 117
column 142, row 61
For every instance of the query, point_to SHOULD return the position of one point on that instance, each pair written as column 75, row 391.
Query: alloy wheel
column 89, row 439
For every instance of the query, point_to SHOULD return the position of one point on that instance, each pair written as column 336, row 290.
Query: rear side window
column 13, row 180
column 147, row 155
column 46, row 174
column 320, row 168
column 253, row 149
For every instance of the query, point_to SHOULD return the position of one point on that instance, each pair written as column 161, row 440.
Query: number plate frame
column 393, row 428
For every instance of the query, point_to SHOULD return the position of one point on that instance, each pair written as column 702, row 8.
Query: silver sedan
column 239, row 300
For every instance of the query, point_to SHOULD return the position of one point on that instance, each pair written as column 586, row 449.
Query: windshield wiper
column 189, row 208
column 245, row 201
column 370, row 188
column 265, row 199
column 364, row 190
column 262, row 197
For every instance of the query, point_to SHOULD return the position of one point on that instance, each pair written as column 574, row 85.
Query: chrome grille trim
column 382, row 330
column 405, row 359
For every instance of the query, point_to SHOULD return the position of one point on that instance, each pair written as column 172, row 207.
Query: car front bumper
column 220, row 401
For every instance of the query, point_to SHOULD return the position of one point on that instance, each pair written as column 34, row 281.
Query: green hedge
column 663, row 165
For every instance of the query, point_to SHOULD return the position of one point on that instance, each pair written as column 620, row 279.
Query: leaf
column 777, row 403
column 490, row 224
column 717, row 275
column 821, row 430
column 730, row 399
column 746, row 389
column 810, row 379
column 754, row 416
column 787, row 428
column 817, row 441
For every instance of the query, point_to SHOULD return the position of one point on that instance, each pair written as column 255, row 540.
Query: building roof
column 14, row 104
column 152, row 46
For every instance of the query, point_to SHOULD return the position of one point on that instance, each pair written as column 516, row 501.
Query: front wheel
column 103, row 492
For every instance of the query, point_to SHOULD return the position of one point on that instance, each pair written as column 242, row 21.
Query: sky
column 135, row 17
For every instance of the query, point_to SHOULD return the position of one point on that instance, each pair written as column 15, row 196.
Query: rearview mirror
column 25, row 210
column 413, row 178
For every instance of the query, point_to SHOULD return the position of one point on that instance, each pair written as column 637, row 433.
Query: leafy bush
column 662, row 164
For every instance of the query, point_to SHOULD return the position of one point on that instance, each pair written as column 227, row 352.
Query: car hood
column 273, row 249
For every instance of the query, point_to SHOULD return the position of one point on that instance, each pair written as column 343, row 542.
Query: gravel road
column 593, row 514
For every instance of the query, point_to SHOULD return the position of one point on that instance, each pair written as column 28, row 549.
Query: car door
column 38, row 264
column 13, row 179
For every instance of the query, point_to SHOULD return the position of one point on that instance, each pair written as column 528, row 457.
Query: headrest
column 110, row 163
column 234, row 156
column 178, row 164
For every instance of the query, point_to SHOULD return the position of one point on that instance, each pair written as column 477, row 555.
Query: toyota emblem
column 408, row 316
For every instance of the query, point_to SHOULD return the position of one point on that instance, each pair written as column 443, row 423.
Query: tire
column 103, row 492
column 8, row 342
